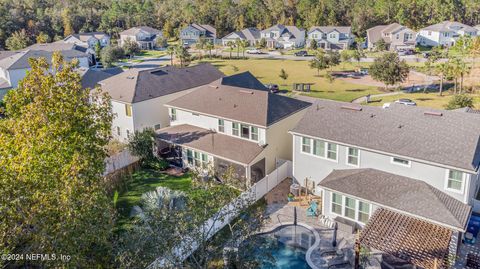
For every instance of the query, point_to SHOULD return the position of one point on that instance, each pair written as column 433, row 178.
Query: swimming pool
column 284, row 248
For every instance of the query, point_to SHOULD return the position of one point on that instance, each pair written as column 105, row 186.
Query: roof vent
column 400, row 126
column 249, row 92
column 433, row 113
column 213, row 86
column 352, row 108
column 372, row 115
column 234, row 105
column 130, row 77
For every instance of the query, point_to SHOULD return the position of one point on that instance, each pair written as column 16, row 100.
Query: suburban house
column 283, row 37
column 138, row 96
column 382, row 169
column 14, row 64
column 233, row 122
column 331, row 37
column 444, row 34
column 252, row 35
column 92, row 76
column 396, row 37
column 89, row 40
column 146, row 37
column 194, row 32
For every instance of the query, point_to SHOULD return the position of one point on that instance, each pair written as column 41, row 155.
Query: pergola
column 415, row 241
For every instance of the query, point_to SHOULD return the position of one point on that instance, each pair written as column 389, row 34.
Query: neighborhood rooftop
column 401, row 194
column 413, row 132
column 135, row 86
column 86, row 36
column 19, row 59
column 449, row 26
column 136, row 30
column 242, row 103
column 328, row 29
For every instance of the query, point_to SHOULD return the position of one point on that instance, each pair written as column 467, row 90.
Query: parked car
column 405, row 52
column 98, row 65
column 363, row 71
column 273, row 88
column 301, row 53
column 186, row 45
column 406, row 102
column 253, row 51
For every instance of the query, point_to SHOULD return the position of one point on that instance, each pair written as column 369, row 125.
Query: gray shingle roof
column 229, row 147
column 91, row 77
column 259, row 107
column 243, row 80
column 328, row 29
column 136, row 30
column 250, row 34
column 400, row 193
column 19, row 60
column 447, row 26
column 210, row 31
column 86, row 36
column 139, row 85
column 450, row 139
column 285, row 30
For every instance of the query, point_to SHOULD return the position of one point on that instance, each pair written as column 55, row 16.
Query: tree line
column 53, row 20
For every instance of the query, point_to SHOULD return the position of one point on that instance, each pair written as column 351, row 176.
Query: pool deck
column 280, row 211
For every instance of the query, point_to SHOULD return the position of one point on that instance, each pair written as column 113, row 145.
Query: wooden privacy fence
column 229, row 212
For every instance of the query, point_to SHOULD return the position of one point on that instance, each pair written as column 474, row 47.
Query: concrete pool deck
column 281, row 212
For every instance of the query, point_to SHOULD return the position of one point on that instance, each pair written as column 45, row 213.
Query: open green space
column 268, row 70
column 432, row 99
column 152, row 53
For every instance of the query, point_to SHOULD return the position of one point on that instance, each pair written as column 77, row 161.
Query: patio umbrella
column 295, row 216
column 334, row 239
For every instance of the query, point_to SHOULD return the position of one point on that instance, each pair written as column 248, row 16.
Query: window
column 173, row 113
column 337, row 204
column 157, row 126
column 319, row 148
column 118, row 131
column 190, row 156
column 332, row 35
column 198, row 161
column 350, row 206
column 128, row 110
column 397, row 36
column 221, row 126
column 204, row 160
column 332, row 151
column 245, row 131
column 352, row 156
column 195, row 114
column 363, row 211
column 306, row 145
column 429, row 32
column 314, row 36
column 254, row 133
column 400, row 161
column 128, row 133
column 235, row 130
column 455, row 180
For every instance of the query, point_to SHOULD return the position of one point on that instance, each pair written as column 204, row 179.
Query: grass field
column 268, row 70
column 433, row 100
column 152, row 53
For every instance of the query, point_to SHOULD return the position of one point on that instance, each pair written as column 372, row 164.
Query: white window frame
column 347, row 154
column 325, row 156
column 447, row 178
column 336, row 152
column 309, row 145
column 252, row 133
column 392, row 161
column 157, row 125
column 221, row 127
column 341, row 205
column 236, row 129
column 357, row 207
column 173, row 114
column 128, row 110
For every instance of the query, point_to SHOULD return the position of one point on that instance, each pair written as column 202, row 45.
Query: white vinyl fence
column 229, row 212
column 119, row 161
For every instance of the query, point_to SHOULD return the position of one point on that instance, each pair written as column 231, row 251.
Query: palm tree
column 454, row 71
column 182, row 54
column 161, row 198
column 209, row 47
column 231, row 44
column 244, row 44
column 442, row 69
column 238, row 44
column 171, row 51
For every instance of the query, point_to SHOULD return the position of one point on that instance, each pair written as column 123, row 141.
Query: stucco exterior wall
column 121, row 120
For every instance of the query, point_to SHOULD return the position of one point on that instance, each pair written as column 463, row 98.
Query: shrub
column 459, row 101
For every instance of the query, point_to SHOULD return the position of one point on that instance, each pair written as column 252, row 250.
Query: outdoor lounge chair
column 312, row 210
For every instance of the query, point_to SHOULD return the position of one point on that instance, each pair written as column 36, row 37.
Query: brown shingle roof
column 220, row 145
column 243, row 104
column 139, row 85
column 450, row 139
column 401, row 194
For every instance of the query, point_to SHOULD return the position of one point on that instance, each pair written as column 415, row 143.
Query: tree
column 171, row 52
column 162, row 42
column 53, row 198
column 442, row 69
column 320, row 62
column 183, row 55
column 67, row 23
column 231, row 45
column 380, row 45
column 345, row 56
column 98, row 49
column 459, row 101
column 238, row 45
column 209, row 47
column 263, row 43
column 18, row 40
column 313, row 44
column 283, row 75
column 243, row 44
column 357, row 55
column 141, row 144
column 110, row 54
column 42, row 38
column 130, row 48
column 475, row 50
column 389, row 69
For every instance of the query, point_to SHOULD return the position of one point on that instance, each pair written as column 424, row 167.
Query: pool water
column 285, row 257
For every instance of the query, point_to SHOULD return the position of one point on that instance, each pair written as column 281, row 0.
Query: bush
column 157, row 164
column 459, row 101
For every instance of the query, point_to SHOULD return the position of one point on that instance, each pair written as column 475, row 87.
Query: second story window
column 254, row 133
column 245, row 131
column 318, row 148
column 173, row 115
column 221, row 126
column 306, row 147
column 352, row 156
column 400, row 161
column 118, row 131
column 235, row 129
column 128, row 110
column 455, row 180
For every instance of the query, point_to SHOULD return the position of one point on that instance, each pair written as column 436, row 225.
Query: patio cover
column 416, row 241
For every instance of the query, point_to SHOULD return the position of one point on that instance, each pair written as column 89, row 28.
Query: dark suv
column 301, row 53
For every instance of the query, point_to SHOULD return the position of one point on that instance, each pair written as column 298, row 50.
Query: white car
column 406, row 102
column 253, row 51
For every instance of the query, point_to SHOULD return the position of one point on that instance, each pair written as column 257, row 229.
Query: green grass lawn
column 152, row 53
column 432, row 99
column 268, row 70
column 144, row 181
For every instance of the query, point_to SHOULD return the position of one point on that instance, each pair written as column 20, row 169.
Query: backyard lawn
column 268, row 70
column 152, row 53
column 432, row 99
